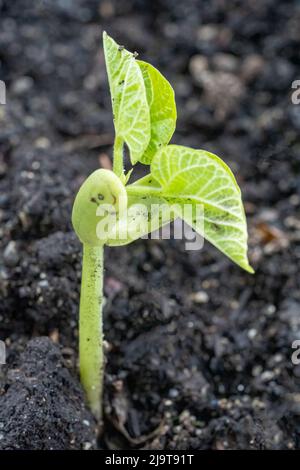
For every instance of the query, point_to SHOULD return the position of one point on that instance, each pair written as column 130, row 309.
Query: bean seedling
column 110, row 211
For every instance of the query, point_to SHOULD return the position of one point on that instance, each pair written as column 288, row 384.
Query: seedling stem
column 90, row 326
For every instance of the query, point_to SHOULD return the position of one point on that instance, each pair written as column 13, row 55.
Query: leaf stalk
column 118, row 165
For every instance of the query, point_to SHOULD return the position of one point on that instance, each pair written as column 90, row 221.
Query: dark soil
column 198, row 351
column 43, row 406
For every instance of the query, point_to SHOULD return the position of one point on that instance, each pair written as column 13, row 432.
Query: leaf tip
column 106, row 38
column 249, row 269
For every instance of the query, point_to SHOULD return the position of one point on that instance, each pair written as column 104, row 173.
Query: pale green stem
column 118, row 165
column 143, row 190
column 90, row 327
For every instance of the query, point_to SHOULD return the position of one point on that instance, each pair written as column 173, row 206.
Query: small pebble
column 252, row 333
column 22, row 85
column 267, row 376
column 200, row 297
column 173, row 393
column 10, row 255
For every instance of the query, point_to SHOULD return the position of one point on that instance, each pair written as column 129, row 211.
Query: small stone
column 200, row 297
column 22, row 85
column 225, row 62
column 252, row 67
column 43, row 284
column 198, row 64
column 42, row 143
column 267, row 376
column 252, row 333
column 208, row 32
column 270, row 310
column 212, row 34
column 173, row 393
column 278, row 358
column 10, row 255
column 35, row 165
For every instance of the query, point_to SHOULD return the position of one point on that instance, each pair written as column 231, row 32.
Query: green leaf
column 129, row 100
column 189, row 176
column 163, row 114
column 146, row 212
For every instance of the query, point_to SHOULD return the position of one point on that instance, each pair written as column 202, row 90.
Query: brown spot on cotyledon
column 113, row 198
